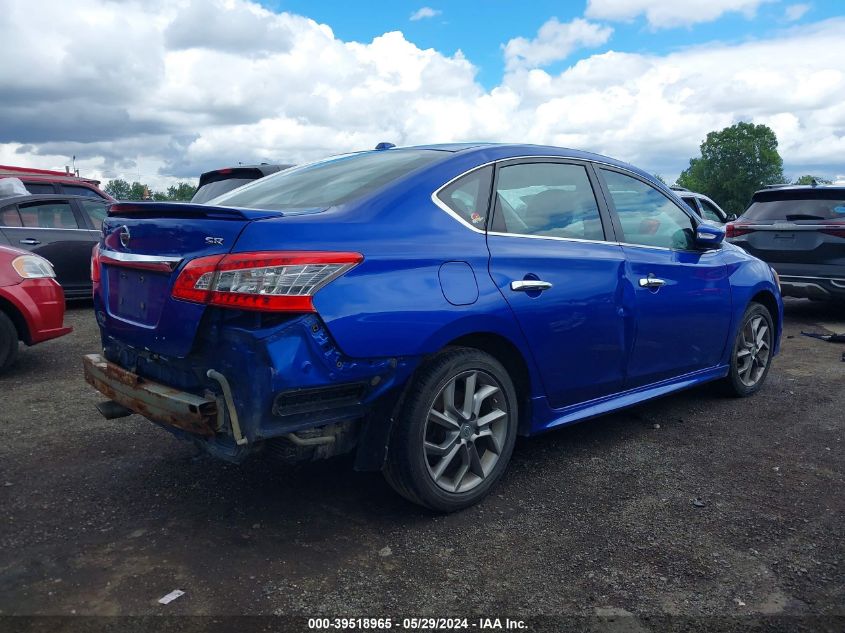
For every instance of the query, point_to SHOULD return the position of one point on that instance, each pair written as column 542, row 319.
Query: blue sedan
column 420, row 308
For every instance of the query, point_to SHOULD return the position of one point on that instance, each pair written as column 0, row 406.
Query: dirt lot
column 104, row 517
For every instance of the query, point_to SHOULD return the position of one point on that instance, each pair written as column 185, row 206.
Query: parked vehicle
column 32, row 305
column 421, row 307
column 47, row 181
column 800, row 232
column 62, row 229
column 220, row 181
column 703, row 206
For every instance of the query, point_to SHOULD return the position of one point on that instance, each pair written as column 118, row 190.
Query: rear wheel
column 752, row 352
column 455, row 432
column 8, row 342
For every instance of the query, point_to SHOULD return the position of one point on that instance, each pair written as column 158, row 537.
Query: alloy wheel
column 465, row 431
column 754, row 350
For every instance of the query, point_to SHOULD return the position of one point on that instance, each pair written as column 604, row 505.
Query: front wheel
column 8, row 342
column 751, row 356
column 455, row 433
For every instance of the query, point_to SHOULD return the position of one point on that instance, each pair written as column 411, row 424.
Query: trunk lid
column 143, row 249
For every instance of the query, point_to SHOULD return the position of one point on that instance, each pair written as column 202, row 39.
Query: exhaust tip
column 111, row 410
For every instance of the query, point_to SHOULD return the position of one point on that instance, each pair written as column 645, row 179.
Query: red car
column 32, row 304
column 48, row 181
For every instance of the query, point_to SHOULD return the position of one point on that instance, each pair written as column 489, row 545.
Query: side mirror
column 709, row 235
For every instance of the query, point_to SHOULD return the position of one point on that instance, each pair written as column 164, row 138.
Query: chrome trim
column 530, row 284
column 551, row 237
column 443, row 207
column 44, row 228
column 136, row 257
column 651, row 282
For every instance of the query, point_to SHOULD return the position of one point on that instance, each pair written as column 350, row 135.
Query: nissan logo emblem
column 125, row 236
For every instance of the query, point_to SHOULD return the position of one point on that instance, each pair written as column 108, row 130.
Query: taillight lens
column 272, row 281
column 836, row 232
column 95, row 263
column 732, row 229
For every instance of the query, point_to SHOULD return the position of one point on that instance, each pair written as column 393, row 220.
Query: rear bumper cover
column 150, row 399
column 805, row 287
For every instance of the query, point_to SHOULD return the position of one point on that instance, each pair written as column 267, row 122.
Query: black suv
column 219, row 181
column 800, row 232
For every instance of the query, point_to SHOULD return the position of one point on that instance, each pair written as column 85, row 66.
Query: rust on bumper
column 151, row 399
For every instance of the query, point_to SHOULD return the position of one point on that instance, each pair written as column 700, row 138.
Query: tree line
column 123, row 190
column 734, row 163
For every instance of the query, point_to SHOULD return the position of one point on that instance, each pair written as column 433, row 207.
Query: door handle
column 530, row 284
column 651, row 282
column 30, row 241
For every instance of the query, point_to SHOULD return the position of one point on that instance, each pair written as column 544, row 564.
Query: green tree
column 182, row 191
column 660, row 178
column 123, row 190
column 809, row 180
column 734, row 163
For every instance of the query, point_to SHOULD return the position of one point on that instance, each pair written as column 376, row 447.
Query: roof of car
column 35, row 197
column 787, row 187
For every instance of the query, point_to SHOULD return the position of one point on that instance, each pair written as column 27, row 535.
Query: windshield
column 797, row 205
column 329, row 183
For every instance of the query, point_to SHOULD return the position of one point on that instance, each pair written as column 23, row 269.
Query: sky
column 162, row 90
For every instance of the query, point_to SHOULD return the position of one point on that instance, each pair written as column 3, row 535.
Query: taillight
column 733, row 229
column 273, row 281
column 95, row 263
column 836, row 232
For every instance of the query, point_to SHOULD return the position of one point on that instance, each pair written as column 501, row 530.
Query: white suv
column 703, row 206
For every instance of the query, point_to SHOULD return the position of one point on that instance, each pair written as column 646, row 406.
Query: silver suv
column 703, row 206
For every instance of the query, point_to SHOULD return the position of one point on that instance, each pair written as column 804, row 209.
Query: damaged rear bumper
column 157, row 402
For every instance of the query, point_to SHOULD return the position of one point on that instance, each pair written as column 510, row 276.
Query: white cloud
column 555, row 41
column 662, row 14
column 112, row 84
column 794, row 12
column 424, row 13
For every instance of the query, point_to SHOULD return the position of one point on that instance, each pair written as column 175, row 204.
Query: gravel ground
column 104, row 518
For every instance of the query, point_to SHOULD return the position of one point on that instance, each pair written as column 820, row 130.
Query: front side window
column 48, row 215
column 647, row 216
column 547, row 200
column 330, row 182
column 469, row 196
column 36, row 188
column 710, row 212
column 690, row 202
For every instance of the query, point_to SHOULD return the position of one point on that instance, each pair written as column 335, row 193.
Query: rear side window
column 48, row 215
column 797, row 205
column 647, row 216
column 76, row 190
column 330, row 182
column 469, row 196
column 547, row 200
column 9, row 217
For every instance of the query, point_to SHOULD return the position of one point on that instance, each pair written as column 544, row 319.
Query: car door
column 554, row 258
column 683, row 295
column 56, row 231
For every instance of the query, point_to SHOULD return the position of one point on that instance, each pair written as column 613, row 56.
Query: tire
column 8, row 342
column 751, row 359
column 445, row 456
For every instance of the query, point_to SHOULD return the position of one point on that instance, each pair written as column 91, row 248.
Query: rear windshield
column 797, row 205
column 328, row 183
column 218, row 188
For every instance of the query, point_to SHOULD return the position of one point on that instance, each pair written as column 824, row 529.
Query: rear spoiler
column 187, row 210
